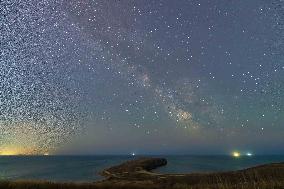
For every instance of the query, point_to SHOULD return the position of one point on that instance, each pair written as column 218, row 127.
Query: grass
column 142, row 185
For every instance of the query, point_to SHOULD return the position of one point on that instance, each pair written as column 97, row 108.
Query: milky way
column 181, row 75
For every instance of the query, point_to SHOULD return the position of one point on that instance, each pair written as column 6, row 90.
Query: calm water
column 86, row 168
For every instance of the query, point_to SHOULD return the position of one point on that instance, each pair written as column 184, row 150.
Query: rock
column 134, row 166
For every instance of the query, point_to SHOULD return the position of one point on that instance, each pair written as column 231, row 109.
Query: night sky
column 141, row 76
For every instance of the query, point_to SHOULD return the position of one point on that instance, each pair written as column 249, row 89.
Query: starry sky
column 144, row 77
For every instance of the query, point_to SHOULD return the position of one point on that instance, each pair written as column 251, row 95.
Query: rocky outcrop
column 134, row 167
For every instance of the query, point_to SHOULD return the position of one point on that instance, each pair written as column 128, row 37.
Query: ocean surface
column 86, row 168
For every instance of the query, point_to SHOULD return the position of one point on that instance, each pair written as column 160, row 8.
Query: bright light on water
column 249, row 154
column 236, row 154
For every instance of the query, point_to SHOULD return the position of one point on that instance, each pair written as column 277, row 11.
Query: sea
column 87, row 168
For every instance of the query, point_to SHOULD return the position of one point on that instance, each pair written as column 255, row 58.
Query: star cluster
column 210, row 70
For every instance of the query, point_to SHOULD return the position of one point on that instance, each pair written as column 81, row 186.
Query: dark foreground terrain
column 137, row 174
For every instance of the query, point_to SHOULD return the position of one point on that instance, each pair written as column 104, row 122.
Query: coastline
column 137, row 174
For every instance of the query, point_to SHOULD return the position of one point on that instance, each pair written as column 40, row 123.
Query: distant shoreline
column 137, row 174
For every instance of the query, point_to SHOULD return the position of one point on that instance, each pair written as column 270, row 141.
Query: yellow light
column 46, row 154
column 15, row 150
column 236, row 154
column 8, row 152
